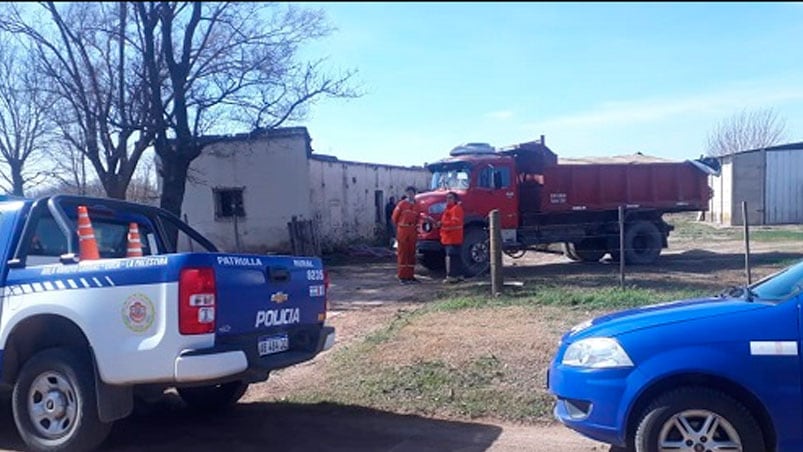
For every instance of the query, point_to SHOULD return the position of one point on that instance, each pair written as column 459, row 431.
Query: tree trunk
column 174, row 182
column 115, row 189
column 18, row 182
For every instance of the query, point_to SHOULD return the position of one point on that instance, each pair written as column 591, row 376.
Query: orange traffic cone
column 86, row 236
column 134, row 244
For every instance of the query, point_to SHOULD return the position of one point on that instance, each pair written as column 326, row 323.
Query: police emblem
column 138, row 313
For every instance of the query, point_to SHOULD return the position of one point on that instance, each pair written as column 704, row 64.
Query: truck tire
column 475, row 252
column 679, row 417
column 570, row 252
column 54, row 402
column 590, row 250
column 432, row 260
column 214, row 397
column 642, row 243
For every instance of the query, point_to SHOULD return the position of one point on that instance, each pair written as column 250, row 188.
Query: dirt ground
column 363, row 296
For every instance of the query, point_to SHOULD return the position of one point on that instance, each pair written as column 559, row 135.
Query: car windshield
column 780, row 286
column 455, row 178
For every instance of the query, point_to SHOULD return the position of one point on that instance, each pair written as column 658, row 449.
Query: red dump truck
column 542, row 201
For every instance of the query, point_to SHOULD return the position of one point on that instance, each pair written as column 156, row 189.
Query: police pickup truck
column 80, row 338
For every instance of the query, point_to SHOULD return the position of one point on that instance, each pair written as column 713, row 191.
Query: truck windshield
column 450, row 179
column 781, row 285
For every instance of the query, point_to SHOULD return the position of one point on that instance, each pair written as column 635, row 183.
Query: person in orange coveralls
column 451, row 225
column 405, row 218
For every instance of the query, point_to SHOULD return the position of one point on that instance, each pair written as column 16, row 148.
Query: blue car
column 710, row 374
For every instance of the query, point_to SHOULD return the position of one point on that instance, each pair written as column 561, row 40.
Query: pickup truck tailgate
column 268, row 294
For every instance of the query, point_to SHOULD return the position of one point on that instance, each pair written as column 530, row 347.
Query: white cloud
column 721, row 102
column 500, row 115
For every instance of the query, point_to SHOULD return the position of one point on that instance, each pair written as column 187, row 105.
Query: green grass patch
column 696, row 230
column 480, row 388
column 599, row 298
column 484, row 386
column 776, row 236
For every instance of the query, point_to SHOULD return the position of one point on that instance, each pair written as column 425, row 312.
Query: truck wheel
column 570, row 251
column 697, row 419
column 475, row 252
column 213, row 397
column 642, row 243
column 590, row 250
column 54, row 402
column 432, row 260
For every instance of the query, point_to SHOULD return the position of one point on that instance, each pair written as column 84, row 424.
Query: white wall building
column 769, row 180
column 256, row 183
column 348, row 198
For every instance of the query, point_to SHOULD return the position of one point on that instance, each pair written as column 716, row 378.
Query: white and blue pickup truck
column 80, row 339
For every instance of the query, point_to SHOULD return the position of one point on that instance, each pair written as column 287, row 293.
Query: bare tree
column 24, row 129
column 745, row 131
column 143, row 188
column 211, row 66
column 70, row 167
column 84, row 51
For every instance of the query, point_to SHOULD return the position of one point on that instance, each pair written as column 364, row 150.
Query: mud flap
column 114, row 402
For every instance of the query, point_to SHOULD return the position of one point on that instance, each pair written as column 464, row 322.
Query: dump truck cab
column 483, row 180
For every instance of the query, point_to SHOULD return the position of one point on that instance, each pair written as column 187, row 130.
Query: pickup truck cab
column 80, row 337
column 719, row 373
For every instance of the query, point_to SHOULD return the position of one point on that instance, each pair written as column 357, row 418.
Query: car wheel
column 54, row 402
column 213, row 397
column 697, row 419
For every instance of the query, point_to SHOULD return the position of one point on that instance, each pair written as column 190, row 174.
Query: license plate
column 269, row 345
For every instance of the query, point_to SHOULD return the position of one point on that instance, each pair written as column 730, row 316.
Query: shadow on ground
column 282, row 427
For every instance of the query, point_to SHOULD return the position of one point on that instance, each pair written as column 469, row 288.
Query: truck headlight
column 438, row 207
column 597, row 353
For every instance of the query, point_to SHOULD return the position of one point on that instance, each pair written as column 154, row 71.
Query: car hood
column 660, row 314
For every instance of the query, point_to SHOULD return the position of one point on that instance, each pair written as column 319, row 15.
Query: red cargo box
column 666, row 186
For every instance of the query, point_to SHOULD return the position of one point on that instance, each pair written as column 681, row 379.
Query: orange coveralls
column 452, row 225
column 452, row 239
column 405, row 218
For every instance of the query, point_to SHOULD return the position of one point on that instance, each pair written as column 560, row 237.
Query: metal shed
column 770, row 180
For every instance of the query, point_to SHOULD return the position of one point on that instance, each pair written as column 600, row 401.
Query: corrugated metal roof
column 798, row 146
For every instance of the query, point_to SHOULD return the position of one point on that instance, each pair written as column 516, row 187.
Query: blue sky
column 595, row 79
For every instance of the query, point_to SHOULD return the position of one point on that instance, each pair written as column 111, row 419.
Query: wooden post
column 746, row 243
column 622, row 247
column 496, row 253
